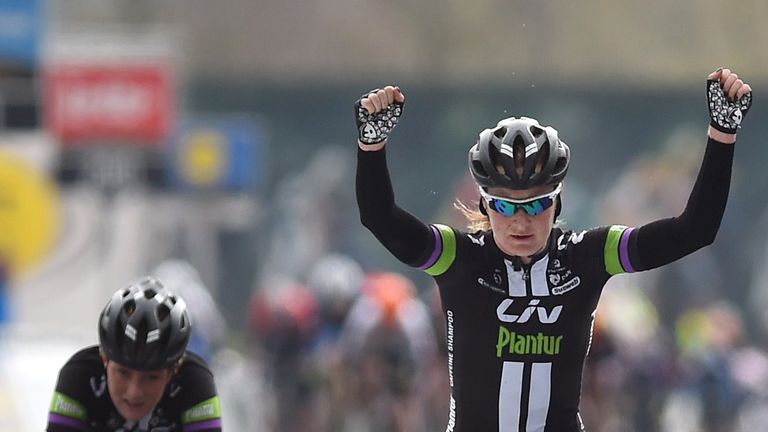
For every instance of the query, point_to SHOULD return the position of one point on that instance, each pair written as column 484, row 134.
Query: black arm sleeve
column 404, row 235
column 666, row 240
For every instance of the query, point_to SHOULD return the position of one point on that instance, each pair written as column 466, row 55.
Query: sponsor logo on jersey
column 561, row 279
column 492, row 287
column 531, row 311
column 205, row 410
column 67, row 406
column 174, row 389
column 451, row 416
column 510, row 342
column 100, row 386
column 564, row 288
column 198, row 412
column 478, row 240
column 449, row 340
column 498, row 276
column 574, row 238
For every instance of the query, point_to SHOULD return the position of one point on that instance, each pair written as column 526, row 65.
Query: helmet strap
column 481, row 207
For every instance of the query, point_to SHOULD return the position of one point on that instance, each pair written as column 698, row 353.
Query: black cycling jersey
column 81, row 401
column 518, row 335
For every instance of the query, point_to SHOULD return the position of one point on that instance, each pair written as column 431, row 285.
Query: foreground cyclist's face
column 520, row 234
column 135, row 393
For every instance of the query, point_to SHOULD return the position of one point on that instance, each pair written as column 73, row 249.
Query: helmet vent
column 536, row 131
column 162, row 312
column 518, row 149
column 500, row 132
column 561, row 165
column 544, row 155
column 150, row 293
column 477, row 166
column 129, row 307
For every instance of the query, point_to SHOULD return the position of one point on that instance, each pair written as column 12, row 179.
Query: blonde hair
column 476, row 220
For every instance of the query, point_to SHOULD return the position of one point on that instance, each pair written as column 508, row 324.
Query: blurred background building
column 218, row 138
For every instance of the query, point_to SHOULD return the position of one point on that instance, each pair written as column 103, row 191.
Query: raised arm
column 404, row 235
column 667, row 240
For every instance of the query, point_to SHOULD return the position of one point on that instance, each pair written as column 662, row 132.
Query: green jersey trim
column 208, row 409
column 615, row 251
column 66, row 406
column 445, row 250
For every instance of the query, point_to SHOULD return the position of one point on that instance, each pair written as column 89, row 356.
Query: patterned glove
column 375, row 128
column 726, row 115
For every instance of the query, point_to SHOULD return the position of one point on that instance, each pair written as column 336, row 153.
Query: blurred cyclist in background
column 519, row 293
column 336, row 282
column 388, row 345
column 282, row 323
column 140, row 377
column 296, row 329
column 180, row 277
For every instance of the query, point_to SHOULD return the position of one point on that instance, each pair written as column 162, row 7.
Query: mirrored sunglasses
column 533, row 206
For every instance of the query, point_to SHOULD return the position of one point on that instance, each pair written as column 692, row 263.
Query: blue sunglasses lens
column 531, row 208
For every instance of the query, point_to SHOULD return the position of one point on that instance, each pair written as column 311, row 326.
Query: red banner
column 109, row 102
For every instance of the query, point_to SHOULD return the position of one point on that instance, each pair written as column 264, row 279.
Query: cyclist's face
column 135, row 393
column 520, row 234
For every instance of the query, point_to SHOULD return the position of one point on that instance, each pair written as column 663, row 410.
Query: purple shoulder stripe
column 436, row 252
column 624, row 250
column 210, row 424
column 66, row 421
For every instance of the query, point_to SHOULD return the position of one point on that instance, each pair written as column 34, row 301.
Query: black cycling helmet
column 537, row 149
column 144, row 326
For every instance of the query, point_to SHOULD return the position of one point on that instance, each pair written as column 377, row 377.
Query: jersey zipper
column 527, row 274
column 518, row 265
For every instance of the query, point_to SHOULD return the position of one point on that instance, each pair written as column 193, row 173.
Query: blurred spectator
column 309, row 213
column 710, row 340
column 628, row 350
column 283, row 318
column 336, row 281
column 210, row 328
column 4, row 312
column 248, row 402
column 388, row 344
column 758, row 295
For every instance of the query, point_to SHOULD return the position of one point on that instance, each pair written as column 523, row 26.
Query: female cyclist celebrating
column 519, row 294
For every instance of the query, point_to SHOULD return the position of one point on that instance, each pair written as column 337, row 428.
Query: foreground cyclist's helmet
column 518, row 142
column 144, row 326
